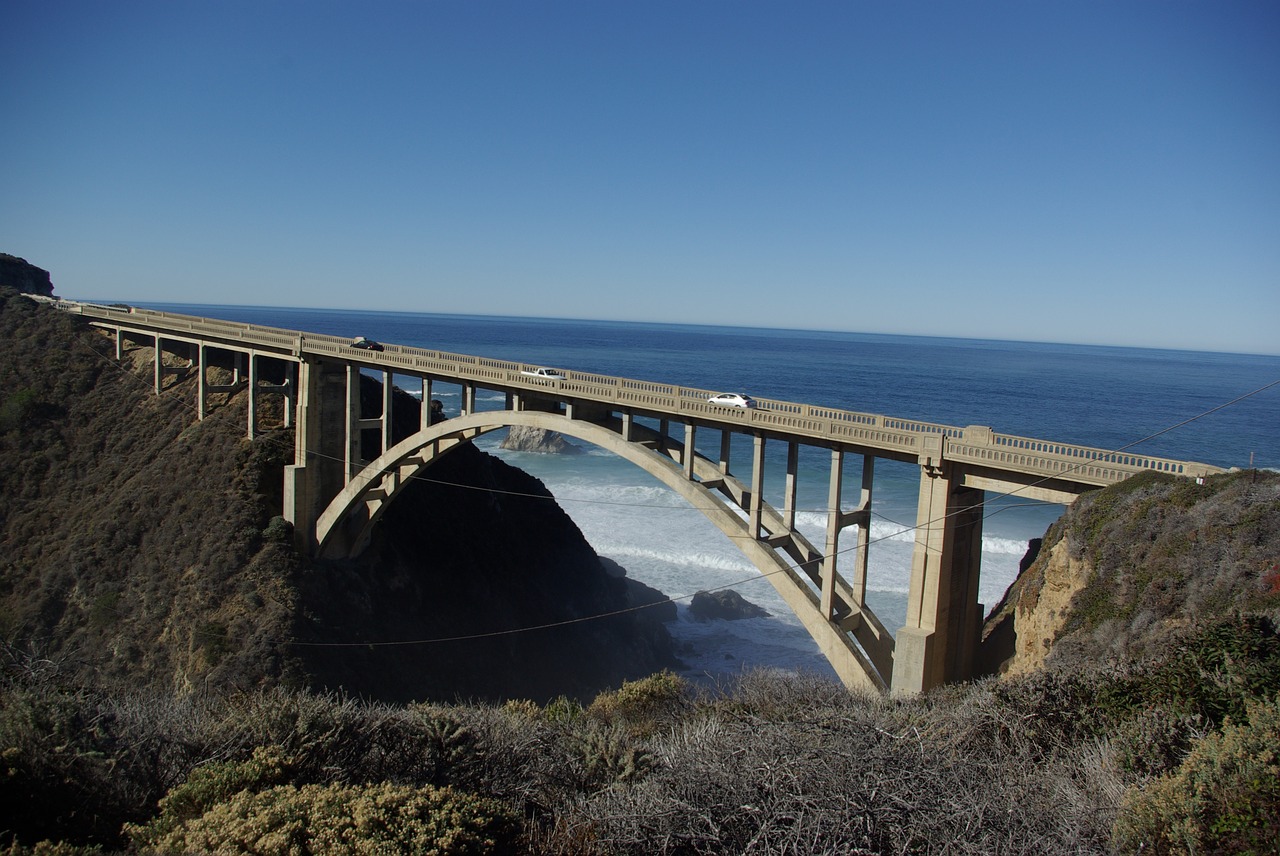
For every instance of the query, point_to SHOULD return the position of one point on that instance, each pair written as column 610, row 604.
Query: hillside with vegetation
column 142, row 547
column 1125, row 570
column 148, row 705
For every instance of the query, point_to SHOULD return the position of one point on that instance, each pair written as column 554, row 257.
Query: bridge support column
column 202, row 385
column 351, row 430
column 289, row 392
column 937, row 643
column 755, row 503
column 789, row 491
column 252, row 394
column 159, row 364
column 690, row 437
column 861, row 517
column 322, row 446
column 834, row 489
column 386, row 410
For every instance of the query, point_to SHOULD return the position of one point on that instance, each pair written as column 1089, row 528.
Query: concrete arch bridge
column 334, row 497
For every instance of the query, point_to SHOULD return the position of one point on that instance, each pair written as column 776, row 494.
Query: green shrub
column 341, row 819
column 643, row 704
column 16, row 409
column 1225, row 798
column 1155, row 740
column 278, row 531
column 451, row 745
column 562, row 709
column 610, row 757
column 211, row 637
column 522, row 708
column 1213, row 672
column 52, row 763
column 210, row 785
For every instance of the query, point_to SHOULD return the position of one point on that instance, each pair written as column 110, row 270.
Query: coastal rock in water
column 25, row 277
column 522, row 438
column 725, row 605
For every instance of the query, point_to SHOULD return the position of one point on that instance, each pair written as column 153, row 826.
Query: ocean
column 1106, row 397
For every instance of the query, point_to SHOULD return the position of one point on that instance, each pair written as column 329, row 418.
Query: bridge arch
column 344, row 528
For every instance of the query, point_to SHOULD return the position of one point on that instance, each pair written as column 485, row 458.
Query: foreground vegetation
column 1176, row 754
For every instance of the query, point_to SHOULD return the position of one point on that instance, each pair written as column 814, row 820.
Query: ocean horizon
column 673, row 325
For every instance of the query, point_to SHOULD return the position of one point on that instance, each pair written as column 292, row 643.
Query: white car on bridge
column 733, row 399
column 544, row 373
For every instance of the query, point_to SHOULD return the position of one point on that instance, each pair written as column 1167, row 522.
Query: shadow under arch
column 856, row 644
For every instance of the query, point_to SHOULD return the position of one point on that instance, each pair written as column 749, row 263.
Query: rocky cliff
column 21, row 275
column 138, row 548
column 1127, row 567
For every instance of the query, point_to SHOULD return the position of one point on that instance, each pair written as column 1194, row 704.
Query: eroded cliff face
column 1127, row 567
column 1041, row 606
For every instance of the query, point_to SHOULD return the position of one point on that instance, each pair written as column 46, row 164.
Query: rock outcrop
column 1127, row 567
column 523, row 438
column 21, row 275
column 724, row 605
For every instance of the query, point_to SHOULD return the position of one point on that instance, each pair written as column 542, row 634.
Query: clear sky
column 1096, row 172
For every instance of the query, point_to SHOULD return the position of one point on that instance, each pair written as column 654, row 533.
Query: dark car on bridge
column 366, row 344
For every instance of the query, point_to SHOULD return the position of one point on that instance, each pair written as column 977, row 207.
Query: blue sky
column 1096, row 172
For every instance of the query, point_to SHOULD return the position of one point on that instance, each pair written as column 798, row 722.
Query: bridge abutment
column 944, row 618
column 325, row 446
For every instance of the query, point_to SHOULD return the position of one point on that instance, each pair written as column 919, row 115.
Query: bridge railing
column 1026, row 454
